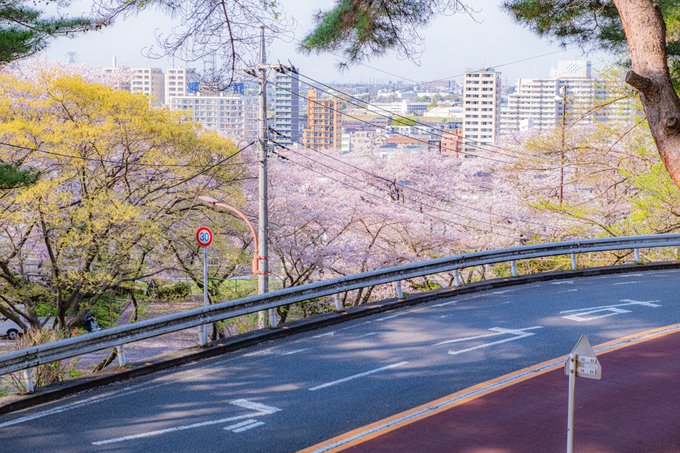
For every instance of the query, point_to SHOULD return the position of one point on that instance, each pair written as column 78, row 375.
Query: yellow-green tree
column 118, row 178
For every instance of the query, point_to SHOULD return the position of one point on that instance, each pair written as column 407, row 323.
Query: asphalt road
column 295, row 392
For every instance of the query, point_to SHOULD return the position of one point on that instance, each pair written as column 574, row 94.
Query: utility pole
column 263, row 211
column 564, row 124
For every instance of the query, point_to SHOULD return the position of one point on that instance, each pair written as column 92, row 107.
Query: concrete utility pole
column 263, row 211
column 564, row 125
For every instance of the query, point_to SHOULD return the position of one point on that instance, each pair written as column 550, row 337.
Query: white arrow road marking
column 244, row 426
column 584, row 314
column 517, row 334
column 260, row 409
column 356, row 376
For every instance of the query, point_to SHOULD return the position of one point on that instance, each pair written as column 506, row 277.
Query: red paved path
column 634, row 408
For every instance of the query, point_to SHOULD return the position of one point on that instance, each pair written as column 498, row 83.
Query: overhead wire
column 421, row 203
column 379, row 126
column 363, row 104
column 407, row 187
column 115, row 162
column 359, row 189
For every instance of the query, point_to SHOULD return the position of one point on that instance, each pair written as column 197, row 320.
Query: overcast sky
column 452, row 44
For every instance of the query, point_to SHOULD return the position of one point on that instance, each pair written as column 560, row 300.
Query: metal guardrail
column 118, row 336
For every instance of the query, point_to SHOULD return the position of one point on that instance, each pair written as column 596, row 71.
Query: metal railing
column 119, row 336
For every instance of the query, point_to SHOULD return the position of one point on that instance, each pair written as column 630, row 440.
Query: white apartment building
column 481, row 101
column 234, row 115
column 178, row 80
column 571, row 90
column 287, row 108
column 147, row 81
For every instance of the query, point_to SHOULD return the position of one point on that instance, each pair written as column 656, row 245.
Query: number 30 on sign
column 204, row 236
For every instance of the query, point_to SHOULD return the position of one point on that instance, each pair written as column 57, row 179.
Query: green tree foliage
column 589, row 24
column 25, row 30
column 121, row 179
column 361, row 28
column 11, row 177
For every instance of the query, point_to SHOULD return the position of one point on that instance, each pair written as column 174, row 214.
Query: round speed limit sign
column 204, row 236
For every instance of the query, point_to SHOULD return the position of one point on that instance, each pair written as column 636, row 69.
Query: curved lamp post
column 256, row 258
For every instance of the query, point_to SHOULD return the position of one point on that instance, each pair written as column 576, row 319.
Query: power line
column 385, row 191
column 405, row 186
column 115, row 162
column 363, row 104
column 344, row 183
column 406, row 136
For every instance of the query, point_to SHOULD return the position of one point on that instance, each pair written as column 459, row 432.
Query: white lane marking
column 628, row 275
column 469, row 394
column 444, row 304
column 516, row 335
column 564, row 282
column 567, row 291
column 328, row 334
column 240, row 425
column 625, row 283
column 171, row 430
column 260, row 409
column 95, row 399
column 357, row 376
column 257, row 407
column 295, row 351
column 504, row 291
column 585, row 314
column 370, row 334
column 262, row 352
column 247, row 427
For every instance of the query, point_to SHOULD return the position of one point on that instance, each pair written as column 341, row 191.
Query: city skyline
column 519, row 54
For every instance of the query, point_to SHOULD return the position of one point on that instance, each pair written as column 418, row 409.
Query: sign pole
column 572, row 392
column 204, row 328
column 204, row 237
column 582, row 363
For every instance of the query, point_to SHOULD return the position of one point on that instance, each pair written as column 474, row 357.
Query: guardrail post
column 573, row 261
column 29, row 383
column 120, row 352
column 636, row 256
column 456, row 277
column 273, row 318
column 202, row 334
column 513, row 266
column 397, row 288
column 338, row 302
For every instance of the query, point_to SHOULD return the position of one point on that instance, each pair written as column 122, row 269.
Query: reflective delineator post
column 29, row 383
column 513, row 266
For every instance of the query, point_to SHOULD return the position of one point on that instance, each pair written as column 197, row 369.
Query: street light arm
column 219, row 204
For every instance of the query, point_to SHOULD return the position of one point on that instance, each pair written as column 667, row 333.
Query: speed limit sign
column 204, row 236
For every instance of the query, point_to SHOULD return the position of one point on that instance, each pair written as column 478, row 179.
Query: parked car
column 10, row 329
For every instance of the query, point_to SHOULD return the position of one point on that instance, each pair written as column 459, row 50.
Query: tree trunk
column 646, row 35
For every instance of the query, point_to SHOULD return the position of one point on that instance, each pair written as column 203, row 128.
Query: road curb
column 166, row 361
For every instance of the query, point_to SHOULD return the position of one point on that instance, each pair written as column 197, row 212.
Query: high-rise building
column 180, row 82
column 235, row 115
column 570, row 91
column 323, row 129
column 481, row 101
column 147, row 81
column 287, row 108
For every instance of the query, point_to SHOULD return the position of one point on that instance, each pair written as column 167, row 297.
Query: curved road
column 291, row 393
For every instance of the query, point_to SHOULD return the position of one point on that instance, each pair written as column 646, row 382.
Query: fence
column 118, row 336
